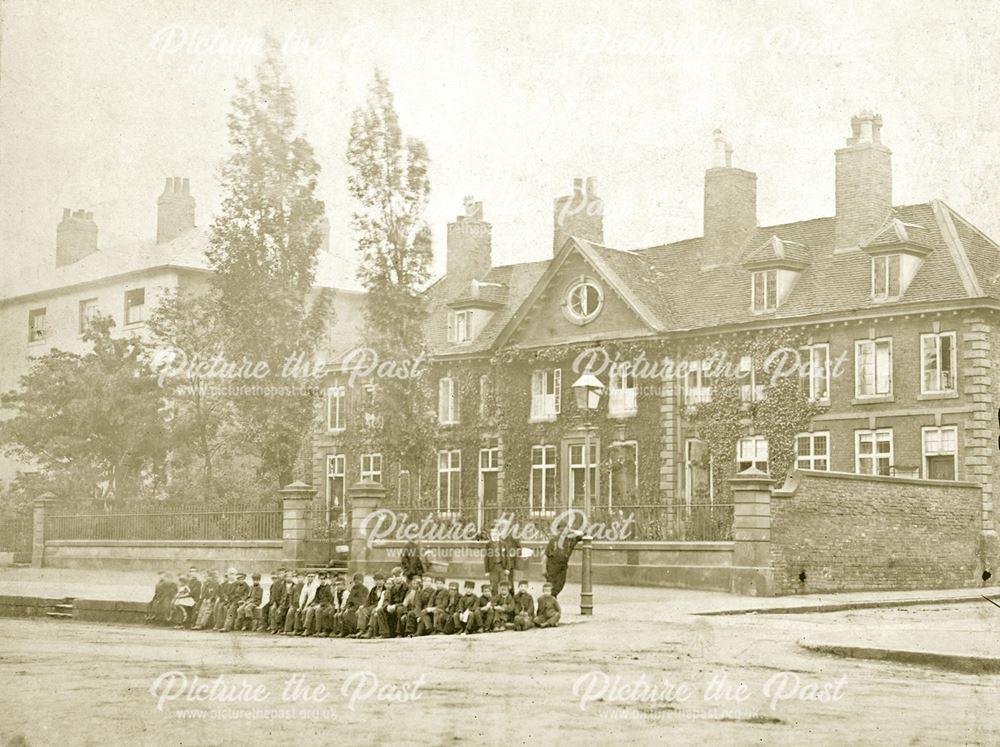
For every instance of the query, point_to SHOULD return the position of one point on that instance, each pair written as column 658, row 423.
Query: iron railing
column 174, row 522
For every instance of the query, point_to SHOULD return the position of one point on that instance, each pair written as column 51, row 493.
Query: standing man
column 557, row 554
column 493, row 559
column 511, row 556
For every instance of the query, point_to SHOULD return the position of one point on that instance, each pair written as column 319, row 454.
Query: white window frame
column 335, row 467
column 877, row 435
column 858, row 376
column 546, row 393
column 935, row 339
column 924, row 453
column 336, row 412
column 89, row 310
column 591, row 462
column 460, row 326
column 750, row 390
column 769, row 283
column 368, row 394
column 817, row 377
column 135, row 313
column 38, row 332
column 373, row 470
column 621, row 396
column 583, row 316
column 700, row 392
column 540, row 505
column 447, row 401
column 451, row 469
column 611, row 488
column 759, row 444
column 883, row 294
column 689, row 472
column 809, row 460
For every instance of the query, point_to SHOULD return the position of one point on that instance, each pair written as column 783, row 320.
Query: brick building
column 892, row 310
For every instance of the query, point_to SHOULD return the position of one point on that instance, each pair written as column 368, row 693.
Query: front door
column 575, row 475
column 489, row 507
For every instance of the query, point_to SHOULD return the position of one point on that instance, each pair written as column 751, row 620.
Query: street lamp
column 588, row 390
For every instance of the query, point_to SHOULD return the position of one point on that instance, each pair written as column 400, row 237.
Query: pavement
column 971, row 648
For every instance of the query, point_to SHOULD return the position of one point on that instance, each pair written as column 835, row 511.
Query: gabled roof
column 670, row 290
column 777, row 253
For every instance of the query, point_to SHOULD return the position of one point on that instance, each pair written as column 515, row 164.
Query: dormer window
column 765, row 290
column 459, row 326
column 885, row 277
column 584, row 300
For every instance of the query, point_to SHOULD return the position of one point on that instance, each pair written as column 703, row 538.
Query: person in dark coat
column 161, row 605
column 494, row 562
column 524, row 608
column 557, row 555
column 413, row 564
column 511, row 553
column 346, row 620
column 548, row 613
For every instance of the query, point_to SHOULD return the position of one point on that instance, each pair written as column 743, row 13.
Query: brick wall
column 849, row 532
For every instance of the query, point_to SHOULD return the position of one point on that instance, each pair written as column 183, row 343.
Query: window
column 816, row 374
column 696, row 386
column 135, row 306
column 580, row 471
column 404, row 488
column 940, row 453
column 937, row 363
column 750, row 389
column 36, row 325
column 334, row 487
column 699, row 487
column 885, row 277
column 335, row 408
column 485, row 396
column 623, row 474
column 621, row 397
column 765, row 290
column 459, row 326
column 751, row 452
column 546, row 392
column 542, row 491
column 873, row 452
column 449, row 481
column 371, row 467
column 584, row 300
column 812, row 451
column 368, row 393
column 447, row 402
column 873, row 367
column 88, row 312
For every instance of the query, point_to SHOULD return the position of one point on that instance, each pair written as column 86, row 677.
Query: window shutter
column 557, row 388
column 451, row 326
column 453, row 400
column 537, row 379
column 442, row 400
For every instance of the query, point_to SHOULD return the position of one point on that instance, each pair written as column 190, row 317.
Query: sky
column 100, row 101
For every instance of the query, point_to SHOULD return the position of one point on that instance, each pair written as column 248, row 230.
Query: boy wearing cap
column 524, row 608
column 503, row 606
column 486, row 613
column 292, row 607
column 317, row 609
column 436, row 607
column 366, row 614
column 548, row 613
column 451, row 608
column 248, row 613
column 279, row 605
column 221, row 599
column 209, row 596
column 346, row 620
column 238, row 594
column 412, row 609
column 468, row 607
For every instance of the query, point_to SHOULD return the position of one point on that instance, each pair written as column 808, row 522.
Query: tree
column 186, row 331
column 389, row 181
column 263, row 248
column 94, row 417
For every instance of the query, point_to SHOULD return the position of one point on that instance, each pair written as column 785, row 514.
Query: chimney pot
column 579, row 214
column 76, row 236
column 863, row 182
column 175, row 209
column 470, row 247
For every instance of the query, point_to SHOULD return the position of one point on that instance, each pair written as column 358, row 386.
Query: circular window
column 584, row 300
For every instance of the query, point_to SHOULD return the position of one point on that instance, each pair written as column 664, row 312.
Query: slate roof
column 776, row 250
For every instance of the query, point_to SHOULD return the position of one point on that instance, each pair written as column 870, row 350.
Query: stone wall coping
column 792, row 482
column 165, row 543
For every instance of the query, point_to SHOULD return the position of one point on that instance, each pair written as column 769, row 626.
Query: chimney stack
column 863, row 182
column 730, row 206
column 579, row 214
column 76, row 236
column 175, row 209
column 470, row 246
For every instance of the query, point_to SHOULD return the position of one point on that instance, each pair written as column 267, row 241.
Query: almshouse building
column 882, row 320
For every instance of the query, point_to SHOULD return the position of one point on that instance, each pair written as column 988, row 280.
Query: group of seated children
column 307, row 604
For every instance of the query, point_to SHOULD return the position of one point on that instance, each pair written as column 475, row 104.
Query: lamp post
column 588, row 390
